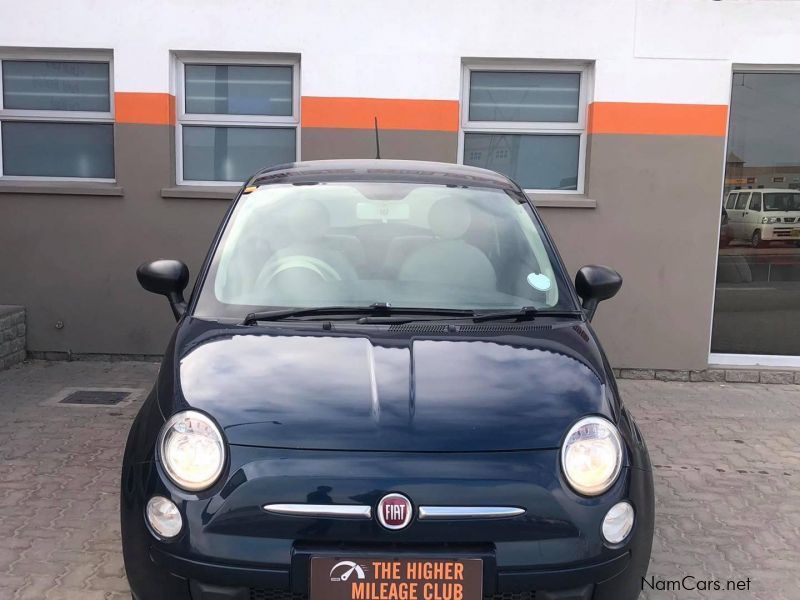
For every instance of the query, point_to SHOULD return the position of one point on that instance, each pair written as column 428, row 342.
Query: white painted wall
column 645, row 50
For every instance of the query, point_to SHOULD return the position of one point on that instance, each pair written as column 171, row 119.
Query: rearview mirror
column 168, row 278
column 595, row 283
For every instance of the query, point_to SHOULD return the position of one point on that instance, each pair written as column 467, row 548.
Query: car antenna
column 377, row 140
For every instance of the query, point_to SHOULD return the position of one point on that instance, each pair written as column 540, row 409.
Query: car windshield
column 403, row 244
column 786, row 201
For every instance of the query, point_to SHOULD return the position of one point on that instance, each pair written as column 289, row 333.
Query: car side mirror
column 595, row 283
column 168, row 278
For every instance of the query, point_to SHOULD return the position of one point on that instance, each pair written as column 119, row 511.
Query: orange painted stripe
column 144, row 108
column 359, row 113
column 658, row 119
column 443, row 115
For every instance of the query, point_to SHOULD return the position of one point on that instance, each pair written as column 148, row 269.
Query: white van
column 763, row 215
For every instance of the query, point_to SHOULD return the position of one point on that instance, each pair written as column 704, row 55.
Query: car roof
column 411, row 171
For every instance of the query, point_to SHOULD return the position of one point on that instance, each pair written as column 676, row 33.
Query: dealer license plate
column 348, row 578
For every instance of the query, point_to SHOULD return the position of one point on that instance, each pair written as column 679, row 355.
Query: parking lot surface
column 727, row 473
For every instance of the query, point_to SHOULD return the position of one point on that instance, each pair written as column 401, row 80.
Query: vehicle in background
column 724, row 236
column 763, row 215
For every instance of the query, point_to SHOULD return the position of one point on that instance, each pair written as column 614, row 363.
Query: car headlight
column 192, row 450
column 164, row 517
column 770, row 220
column 618, row 523
column 591, row 456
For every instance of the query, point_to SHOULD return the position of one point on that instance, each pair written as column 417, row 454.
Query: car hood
column 280, row 388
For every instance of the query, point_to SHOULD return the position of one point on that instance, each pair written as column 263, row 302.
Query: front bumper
column 242, row 583
column 230, row 548
column 780, row 231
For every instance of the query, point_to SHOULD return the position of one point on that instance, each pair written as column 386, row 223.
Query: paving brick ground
column 727, row 483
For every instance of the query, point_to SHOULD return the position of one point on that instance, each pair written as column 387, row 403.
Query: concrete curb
column 75, row 356
column 715, row 374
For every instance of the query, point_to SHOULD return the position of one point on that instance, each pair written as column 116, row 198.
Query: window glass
column 755, row 201
column 731, row 200
column 536, row 161
column 756, row 306
column 524, row 96
column 783, row 201
column 357, row 243
column 239, row 89
column 58, row 149
column 56, row 85
column 741, row 201
column 234, row 153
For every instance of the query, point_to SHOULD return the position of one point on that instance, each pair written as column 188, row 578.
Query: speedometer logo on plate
column 395, row 511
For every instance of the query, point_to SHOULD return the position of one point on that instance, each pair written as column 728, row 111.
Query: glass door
column 757, row 301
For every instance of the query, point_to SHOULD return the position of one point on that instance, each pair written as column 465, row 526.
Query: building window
column 235, row 117
column 528, row 122
column 56, row 119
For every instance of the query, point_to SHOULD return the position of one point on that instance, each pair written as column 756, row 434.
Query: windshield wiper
column 526, row 312
column 385, row 313
column 437, row 314
column 375, row 310
column 286, row 313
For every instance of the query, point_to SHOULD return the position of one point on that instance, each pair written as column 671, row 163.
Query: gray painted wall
column 72, row 258
column 321, row 143
column 657, row 223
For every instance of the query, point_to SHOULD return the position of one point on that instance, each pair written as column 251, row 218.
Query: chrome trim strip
column 350, row 511
column 429, row 513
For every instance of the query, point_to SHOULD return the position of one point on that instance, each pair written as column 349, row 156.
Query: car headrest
column 449, row 218
column 308, row 220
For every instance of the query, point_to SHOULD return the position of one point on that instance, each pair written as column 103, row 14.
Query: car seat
column 448, row 259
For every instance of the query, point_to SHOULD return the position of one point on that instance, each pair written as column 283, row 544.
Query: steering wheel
column 325, row 271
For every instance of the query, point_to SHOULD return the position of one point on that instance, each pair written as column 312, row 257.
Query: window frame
column 531, row 127
column 180, row 60
column 58, row 116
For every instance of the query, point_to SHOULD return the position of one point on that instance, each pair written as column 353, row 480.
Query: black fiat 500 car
column 384, row 387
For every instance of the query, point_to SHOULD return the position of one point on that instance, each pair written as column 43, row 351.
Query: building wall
column 657, row 120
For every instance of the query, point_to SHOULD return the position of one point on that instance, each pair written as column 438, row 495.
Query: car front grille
column 276, row 594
